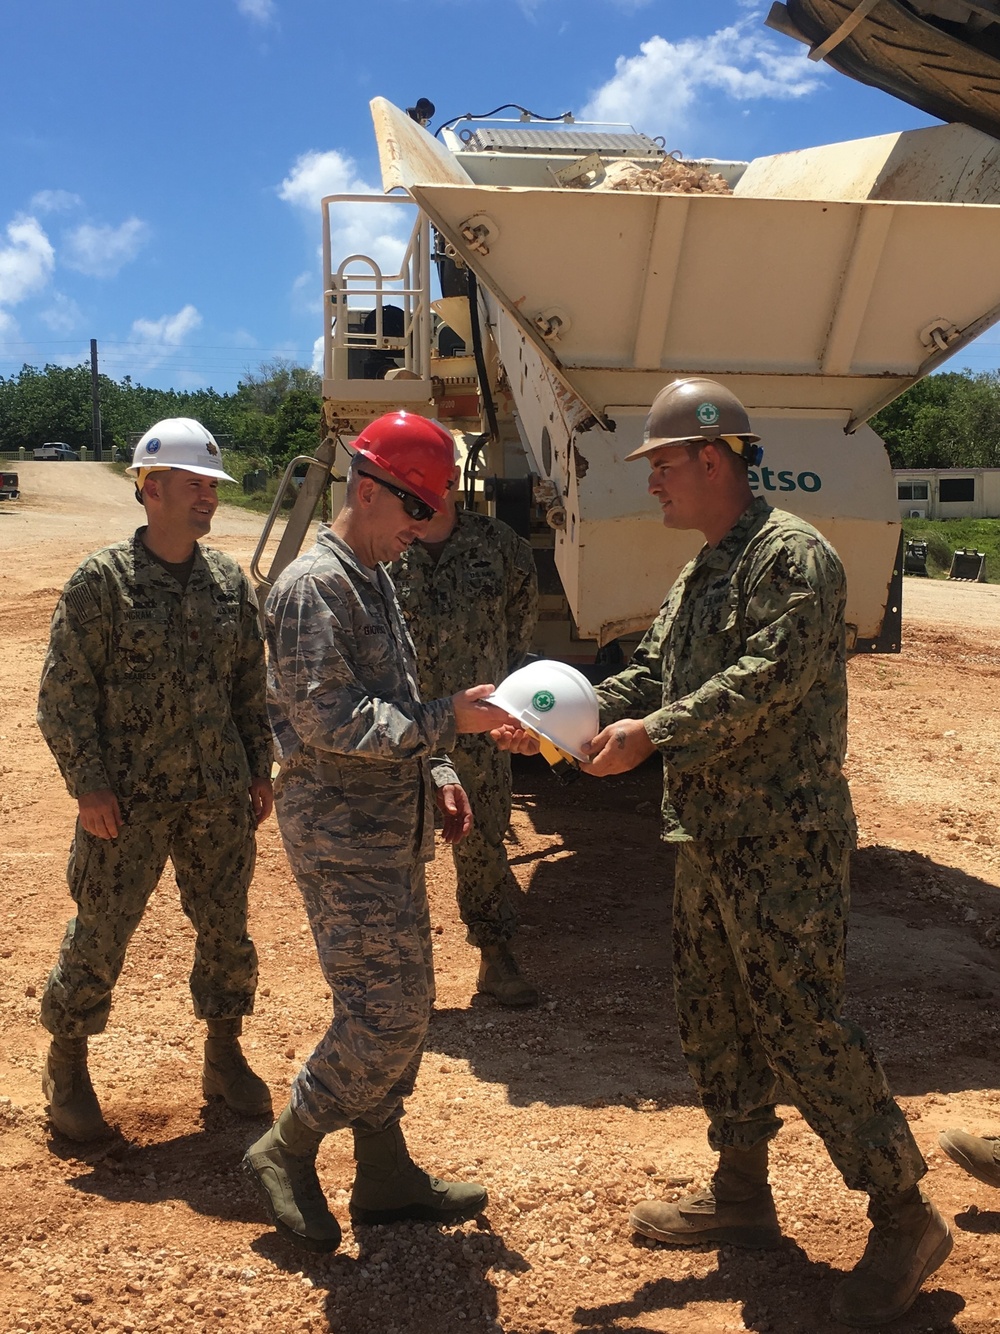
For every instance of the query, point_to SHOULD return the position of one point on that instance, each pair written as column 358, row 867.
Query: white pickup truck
column 55, row 449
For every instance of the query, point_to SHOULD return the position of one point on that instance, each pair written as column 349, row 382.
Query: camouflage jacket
column 471, row 613
column 742, row 683
column 151, row 690
column 354, row 739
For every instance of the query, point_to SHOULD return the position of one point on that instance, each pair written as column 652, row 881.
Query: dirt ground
column 568, row 1113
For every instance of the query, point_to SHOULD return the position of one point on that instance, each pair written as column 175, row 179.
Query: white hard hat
column 179, row 442
column 555, row 701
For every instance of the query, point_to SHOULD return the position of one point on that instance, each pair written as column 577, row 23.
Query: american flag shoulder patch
column 82, row 604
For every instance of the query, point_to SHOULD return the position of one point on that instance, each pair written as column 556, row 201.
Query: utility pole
column 95, row 402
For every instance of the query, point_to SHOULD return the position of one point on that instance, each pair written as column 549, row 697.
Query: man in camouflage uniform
column 740, row 684
column 469, row 592
column 152, row 701
column 362, row 760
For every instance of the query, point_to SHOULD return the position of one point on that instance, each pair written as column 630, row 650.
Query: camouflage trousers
column 760, row 927
column 486, row 891
column 372, row 931
column 213, row 849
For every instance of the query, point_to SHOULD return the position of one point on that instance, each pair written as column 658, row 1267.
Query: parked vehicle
column 9, row 489
column 56, row 450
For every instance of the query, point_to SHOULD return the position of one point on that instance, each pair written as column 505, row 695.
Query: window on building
column 911, row 490
column 958, row 488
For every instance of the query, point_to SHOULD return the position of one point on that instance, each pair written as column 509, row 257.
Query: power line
column 143, row 346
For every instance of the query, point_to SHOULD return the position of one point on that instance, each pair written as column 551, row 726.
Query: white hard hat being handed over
column 554, row 701
column 178, row 442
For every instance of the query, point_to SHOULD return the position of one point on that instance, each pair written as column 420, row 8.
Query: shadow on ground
column 595, row 935
column 780, row 1292
column 201, row 1168
column 416, row 1279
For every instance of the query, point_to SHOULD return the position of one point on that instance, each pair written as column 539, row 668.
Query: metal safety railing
column 358, row 283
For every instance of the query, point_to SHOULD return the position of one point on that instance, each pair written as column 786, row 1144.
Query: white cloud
column 259, row 11
column 26, row 261
column 317, row 174
column 8, row 325
column 63, row 315
column 152, row 343
column 55, row 201
column 380, row 231
column 168, row 330
column 317, row 357
column 657, row 89
column 101, row 251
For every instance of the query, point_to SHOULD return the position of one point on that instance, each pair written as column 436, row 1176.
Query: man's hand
column 261, row 799
column 454, row 806
column 518, row 740
column 472, row 715
column 100, row 813
column 619, row 748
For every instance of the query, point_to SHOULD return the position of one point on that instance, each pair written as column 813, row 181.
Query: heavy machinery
column 557, row 278
column 938, row 55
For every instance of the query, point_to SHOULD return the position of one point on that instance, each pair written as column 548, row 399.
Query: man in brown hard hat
column 741, row 686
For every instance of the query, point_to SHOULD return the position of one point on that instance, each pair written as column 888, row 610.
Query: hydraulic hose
column 493, row 433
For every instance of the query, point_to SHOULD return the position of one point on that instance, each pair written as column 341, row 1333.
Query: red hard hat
column 415, row 450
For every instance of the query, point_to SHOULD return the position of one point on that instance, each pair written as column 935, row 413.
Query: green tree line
column 951, row 420
column 946, row 420
column 274, row 411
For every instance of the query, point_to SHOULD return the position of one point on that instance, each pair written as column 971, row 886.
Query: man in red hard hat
column 362, row 760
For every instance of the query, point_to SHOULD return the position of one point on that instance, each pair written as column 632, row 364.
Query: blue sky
column 162, row 161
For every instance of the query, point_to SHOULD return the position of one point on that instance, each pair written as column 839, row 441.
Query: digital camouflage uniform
column 742, row 684
column 157, row 692
column 472, row 614
column 354, row 801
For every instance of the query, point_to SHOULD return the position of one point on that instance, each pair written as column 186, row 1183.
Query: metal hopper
column 815, row 306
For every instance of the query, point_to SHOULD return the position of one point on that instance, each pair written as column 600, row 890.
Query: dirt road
column 567, row 1113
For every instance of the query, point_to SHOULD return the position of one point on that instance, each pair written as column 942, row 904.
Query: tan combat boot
column 980, row 1157
column 226, row 1074
column 737, row 1208
column 282, row 1167
column 501, row 978
column 389, row 1187
column 73, row 1107
column 908, row 1241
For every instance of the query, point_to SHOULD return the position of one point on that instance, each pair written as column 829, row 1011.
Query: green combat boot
column 980, row 1157
column 909, row 1240
column 389, row 1187
column 282, row 1167
column 737, row 1208
column 226, row 1074
column 73, row 1107
column 501, row 978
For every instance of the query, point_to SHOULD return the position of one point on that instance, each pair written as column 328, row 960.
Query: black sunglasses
column 415, row 507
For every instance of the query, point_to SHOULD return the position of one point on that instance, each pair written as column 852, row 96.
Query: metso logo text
column 785, row 480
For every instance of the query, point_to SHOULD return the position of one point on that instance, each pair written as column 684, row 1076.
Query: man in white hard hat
column 740, row 685
column 152, row 701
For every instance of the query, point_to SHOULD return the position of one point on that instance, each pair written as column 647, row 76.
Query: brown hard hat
column 691, row 410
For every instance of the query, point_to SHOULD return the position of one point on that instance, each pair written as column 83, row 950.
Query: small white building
column 948, row 493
